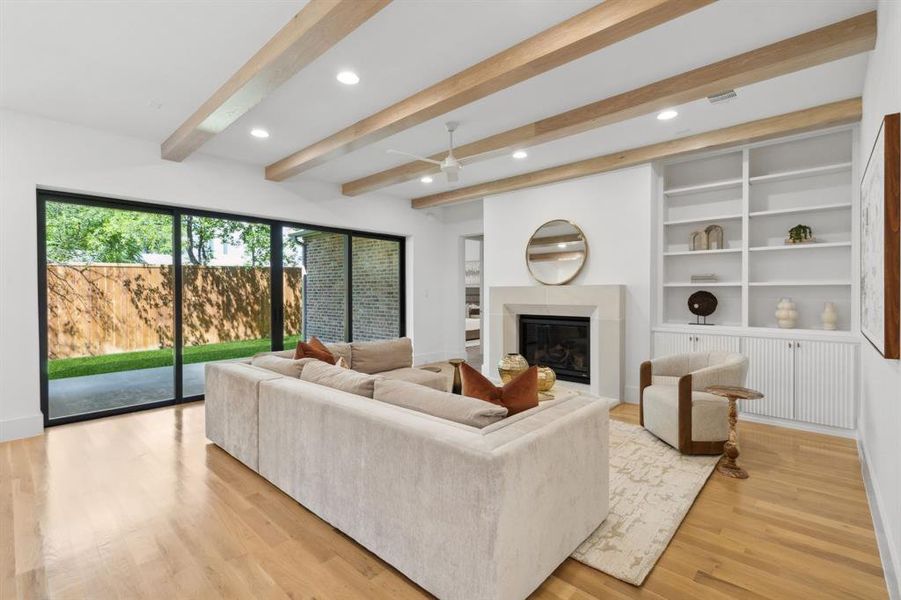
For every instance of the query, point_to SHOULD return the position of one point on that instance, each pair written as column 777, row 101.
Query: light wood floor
column 141, row 506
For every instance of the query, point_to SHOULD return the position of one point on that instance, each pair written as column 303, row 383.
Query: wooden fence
column 109, row 308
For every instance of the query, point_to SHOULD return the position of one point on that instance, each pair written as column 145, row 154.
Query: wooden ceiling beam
column 827, row 115
column 609, row 22
column 317, row 27
column 839, row 40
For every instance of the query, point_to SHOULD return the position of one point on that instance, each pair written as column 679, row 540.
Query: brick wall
column 326, row 288
column 376, row 288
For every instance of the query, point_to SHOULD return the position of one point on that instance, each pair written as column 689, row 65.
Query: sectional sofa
column 468, row 503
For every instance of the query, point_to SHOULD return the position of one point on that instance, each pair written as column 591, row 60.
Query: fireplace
column 561, row 343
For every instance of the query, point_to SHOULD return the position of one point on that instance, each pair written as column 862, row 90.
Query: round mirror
column 556, row 252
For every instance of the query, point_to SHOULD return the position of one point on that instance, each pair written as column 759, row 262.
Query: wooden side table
column 728, row 465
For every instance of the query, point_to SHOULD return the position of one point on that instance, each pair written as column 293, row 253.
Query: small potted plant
column 800, row 234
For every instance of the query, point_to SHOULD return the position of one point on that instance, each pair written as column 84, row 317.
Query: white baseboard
column 21, row 427
column 890, row 556
column 811, row 427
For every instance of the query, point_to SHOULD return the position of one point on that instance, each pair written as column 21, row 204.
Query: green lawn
column 129, row 361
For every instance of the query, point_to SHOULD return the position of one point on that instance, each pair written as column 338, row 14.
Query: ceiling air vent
column 722, row 96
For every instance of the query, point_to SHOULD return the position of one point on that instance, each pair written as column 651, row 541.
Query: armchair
column 674, row 406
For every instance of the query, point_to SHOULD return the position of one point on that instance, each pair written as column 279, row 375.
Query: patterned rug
column 652, row 487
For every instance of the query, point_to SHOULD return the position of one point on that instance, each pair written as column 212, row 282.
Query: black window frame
column 277, row 227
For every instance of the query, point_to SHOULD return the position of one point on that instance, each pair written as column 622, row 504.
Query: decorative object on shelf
column 697, row 241
column 800, row 234
column 510, row 365
column 556, row 252
column 714, row 237
column 829, row 316
column 702, row 304
column 457, row 386
column 546, row 379
column 786, row 313
column 880, row 230
column 704, row 278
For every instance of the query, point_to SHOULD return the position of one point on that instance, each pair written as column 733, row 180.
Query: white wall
column 880, row 400
column 614, row 211
column 36, row 152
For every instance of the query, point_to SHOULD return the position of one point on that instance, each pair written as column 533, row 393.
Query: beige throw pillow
column 460, row 409
column 285, row 366
column 340, row 350
column 337, row 378
column 342, row 363
column 385, row 355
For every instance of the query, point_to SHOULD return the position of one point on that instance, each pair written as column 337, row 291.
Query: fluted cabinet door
column 770, row 372
column 824, row 383
column 666, row 344
column 717, row 343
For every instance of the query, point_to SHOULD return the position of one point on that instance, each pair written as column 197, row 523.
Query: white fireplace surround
column 602, row 304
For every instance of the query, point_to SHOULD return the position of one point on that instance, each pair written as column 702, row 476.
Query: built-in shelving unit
column 756, row 193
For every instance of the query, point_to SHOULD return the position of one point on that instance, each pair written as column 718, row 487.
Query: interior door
column 824, row 383
column 771, row 372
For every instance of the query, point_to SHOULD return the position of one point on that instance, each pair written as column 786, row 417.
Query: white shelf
column 803, row 209
column 703, row 220
column 702, row 252
column 809, row 246
column 703, row 187
column 800, row 173
column 704, row 284
column 812, row 282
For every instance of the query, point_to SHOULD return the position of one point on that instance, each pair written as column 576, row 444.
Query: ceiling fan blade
column 422, row 158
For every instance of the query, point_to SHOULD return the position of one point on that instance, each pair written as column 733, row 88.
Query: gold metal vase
column 510, row 365
column 546, row 379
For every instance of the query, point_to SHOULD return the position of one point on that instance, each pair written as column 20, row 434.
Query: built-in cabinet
column 755, row 194
column 810, row 381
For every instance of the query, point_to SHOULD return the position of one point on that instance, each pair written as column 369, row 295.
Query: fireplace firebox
column 561, row 343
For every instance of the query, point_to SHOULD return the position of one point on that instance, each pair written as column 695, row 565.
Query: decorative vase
column 829, row 316
column 546, row 379
column 457, row 385
column 786, row 313
column 511, row 365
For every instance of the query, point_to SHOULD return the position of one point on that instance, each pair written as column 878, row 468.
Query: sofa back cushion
column 339, row 378
column 279, row 364
column 340, row 350
column 460, row 409
column 383, row 355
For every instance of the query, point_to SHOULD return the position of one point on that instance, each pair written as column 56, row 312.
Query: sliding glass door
column 136, row 298
column 109, row 319
column 226, row 293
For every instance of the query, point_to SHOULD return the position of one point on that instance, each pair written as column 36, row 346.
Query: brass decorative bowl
column 546, row 379
column 510, row 365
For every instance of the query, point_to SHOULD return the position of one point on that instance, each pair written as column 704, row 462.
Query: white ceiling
column 140, row 68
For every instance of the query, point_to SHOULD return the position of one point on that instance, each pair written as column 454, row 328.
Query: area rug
column 652, row 487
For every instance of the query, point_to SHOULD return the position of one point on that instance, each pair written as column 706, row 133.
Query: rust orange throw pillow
column 518, row 395
column 315, row 349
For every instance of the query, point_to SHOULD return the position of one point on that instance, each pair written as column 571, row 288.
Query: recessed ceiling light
column 520, row 154
column 348, row 78
column 259, row 133
column 666, row 115
column 561, row 245
column 426, row 179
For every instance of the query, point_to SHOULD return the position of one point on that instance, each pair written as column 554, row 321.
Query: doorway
column 472, row 289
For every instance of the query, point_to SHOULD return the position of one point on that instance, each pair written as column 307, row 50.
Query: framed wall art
column 880, row 251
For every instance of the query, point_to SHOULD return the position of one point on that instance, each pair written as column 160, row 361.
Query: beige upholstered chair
column 675, row 407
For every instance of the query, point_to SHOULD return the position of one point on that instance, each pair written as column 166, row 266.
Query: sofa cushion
column 435, row 381
column 314, row 349
column 709, row 415
column 520, row 394
column 384, row 355
column 340, row 350
column 460, row 409
column 285, row 366
column 346, row 380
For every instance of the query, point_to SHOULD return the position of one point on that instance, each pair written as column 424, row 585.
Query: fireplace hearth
column 561, row 343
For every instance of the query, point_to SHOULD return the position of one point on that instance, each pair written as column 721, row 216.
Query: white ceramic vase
column 786, row 313
column 829, row 316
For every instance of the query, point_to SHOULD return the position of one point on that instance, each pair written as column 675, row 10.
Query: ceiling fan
column 450, row 166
